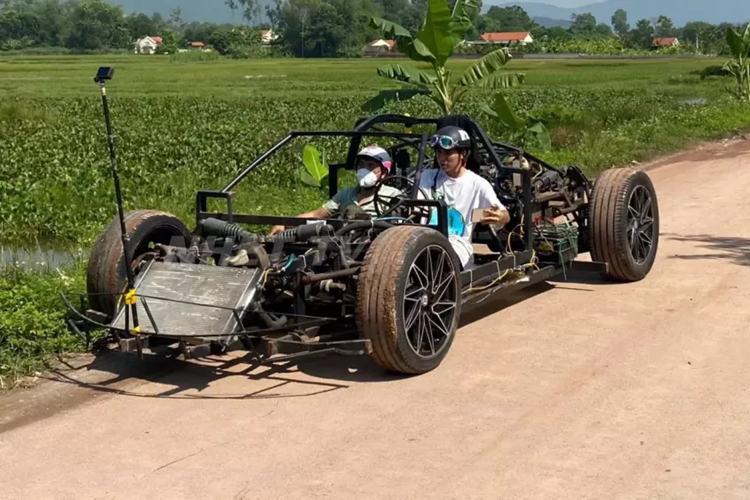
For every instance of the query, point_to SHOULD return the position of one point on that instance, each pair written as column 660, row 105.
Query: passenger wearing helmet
column 463, row 190
column 373, row 165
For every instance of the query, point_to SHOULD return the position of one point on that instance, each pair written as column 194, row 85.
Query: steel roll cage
column 364, row 129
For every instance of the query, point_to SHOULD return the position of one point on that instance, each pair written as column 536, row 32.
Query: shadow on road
column 733, row 249
column 175, row 378
column 162, row 374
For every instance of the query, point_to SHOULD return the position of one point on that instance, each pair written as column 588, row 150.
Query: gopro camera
column 105, row 73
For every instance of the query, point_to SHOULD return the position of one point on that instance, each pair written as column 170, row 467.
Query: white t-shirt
column 466, row 194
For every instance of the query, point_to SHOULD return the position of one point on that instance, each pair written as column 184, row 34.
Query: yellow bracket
column 131, row 298
column 136, row 331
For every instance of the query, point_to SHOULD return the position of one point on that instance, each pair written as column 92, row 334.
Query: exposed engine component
column 547, row 181
column 216, row 227
column 304, row 233
column 250, row 255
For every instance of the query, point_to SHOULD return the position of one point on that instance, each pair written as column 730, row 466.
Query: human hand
column 494, row 216
column 276, row 230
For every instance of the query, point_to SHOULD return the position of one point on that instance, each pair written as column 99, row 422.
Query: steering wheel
column 384, row 203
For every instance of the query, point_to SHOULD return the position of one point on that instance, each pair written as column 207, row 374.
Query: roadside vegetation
column 327, row 29
column 32, row 319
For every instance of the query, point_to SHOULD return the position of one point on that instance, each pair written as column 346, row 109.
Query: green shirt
column 348, row 196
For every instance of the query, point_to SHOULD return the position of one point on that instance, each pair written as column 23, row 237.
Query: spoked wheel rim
column 640, row 224
column 430, row 302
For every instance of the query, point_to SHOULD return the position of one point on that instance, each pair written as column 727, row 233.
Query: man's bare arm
column 318, row 213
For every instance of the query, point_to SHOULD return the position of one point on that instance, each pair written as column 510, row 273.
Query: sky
column 567, row 3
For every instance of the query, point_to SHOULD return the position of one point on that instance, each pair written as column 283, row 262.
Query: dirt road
column 582, row 390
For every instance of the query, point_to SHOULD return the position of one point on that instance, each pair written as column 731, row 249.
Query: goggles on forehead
column 444, row 141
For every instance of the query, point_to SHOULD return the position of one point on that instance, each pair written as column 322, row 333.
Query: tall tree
column 703, row 35
column 642, row 36
column 509, row 19
column 603, row 30
column 326, row 28
column 583, row 24
column 251, row 9
column 96, row 24
column 620, row 22
column 54, row 19
column 175, row 19
column 140, row 25
column 664, row 27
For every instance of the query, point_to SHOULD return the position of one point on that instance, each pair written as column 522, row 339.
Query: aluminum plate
column 211, row 293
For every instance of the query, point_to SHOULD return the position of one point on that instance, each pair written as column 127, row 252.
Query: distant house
column 380, row 46
column 197, row 46
column 660, row 43
column 267, row 37
column 147, row 45
column 507, row 38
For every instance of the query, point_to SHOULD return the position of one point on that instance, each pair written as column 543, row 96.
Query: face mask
column 367, row 178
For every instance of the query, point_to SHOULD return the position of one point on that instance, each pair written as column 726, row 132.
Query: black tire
column 388, row 296
column 626, row 241
column 106, row 272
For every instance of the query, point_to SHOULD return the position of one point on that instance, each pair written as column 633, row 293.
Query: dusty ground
column 581, row 390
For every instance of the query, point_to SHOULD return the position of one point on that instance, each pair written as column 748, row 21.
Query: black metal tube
column 420, row 162
column 393, row 118
column 344, row 273
column 527, row 209
column 118, row 191
column 257, row 162
column 150, row 316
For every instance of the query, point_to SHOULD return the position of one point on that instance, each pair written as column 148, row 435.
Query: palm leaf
column 406, row 44
column 315, row 169
column 736, row 43
column 436, row 34
column 386, row 96
column 389, row 29
column 463, row 12
column 407, row 74
column 500, row 81
column 485, row 67
column 540, row 132
column 505, row 114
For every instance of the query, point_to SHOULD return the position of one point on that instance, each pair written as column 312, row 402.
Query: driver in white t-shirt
column 462, row 189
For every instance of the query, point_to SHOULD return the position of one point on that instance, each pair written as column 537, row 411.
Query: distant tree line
column 321, row 28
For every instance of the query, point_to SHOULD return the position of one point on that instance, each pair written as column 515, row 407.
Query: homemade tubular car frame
column 389, row 287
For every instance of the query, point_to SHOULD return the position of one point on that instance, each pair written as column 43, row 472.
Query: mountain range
column 680, row 11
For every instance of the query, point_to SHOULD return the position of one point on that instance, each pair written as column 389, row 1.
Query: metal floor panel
column 213, row 287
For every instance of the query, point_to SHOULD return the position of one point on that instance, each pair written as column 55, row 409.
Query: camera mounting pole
column 104, row 74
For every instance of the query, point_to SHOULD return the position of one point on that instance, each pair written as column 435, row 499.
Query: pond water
column 38, row 258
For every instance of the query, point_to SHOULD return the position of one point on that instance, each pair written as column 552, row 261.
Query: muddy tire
column 624, row 223
column 409, row 299
column 106, row 272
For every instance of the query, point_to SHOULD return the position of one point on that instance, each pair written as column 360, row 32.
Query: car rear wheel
column 409, row 299
column 624, row 223
column 106, row 275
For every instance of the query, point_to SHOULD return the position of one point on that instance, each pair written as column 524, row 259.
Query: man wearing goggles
column 373, row 165
column 463, row 190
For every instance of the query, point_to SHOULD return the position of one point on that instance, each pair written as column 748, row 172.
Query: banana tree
column 740, row 66
column 442, row 31
column 525, row 131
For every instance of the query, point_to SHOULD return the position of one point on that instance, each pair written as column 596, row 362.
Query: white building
column 268, row 36
column 147, row 45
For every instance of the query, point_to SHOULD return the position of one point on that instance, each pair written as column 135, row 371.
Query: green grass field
column 184, row 126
